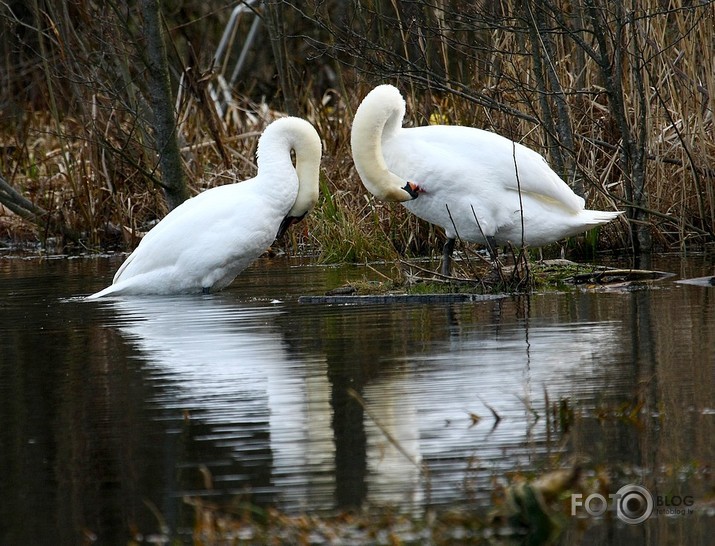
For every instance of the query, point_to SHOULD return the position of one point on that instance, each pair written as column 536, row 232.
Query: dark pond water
column 113, row 412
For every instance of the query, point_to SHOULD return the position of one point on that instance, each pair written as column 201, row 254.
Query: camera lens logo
column 634, row 504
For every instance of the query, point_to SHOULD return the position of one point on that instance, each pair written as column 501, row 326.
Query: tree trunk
column 559, row 130
column 633, row 140
column 162, row 103
column 276, row 32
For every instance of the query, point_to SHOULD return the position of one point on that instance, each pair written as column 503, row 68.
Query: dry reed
column 534, row 74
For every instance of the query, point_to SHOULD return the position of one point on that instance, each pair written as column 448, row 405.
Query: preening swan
column 204, row 243
column 470, row 182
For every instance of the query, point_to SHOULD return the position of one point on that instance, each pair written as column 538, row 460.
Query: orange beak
column 413, row 189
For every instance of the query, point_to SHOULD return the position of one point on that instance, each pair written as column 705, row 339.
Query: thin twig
column 436, row 273
column 424, row 470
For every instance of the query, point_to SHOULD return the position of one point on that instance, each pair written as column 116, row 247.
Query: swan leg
column 447, row 257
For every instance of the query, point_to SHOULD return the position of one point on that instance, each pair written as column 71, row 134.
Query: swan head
column 378, row 118
column 287, row 222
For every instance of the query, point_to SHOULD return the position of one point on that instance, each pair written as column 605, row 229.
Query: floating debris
column 347, row 290
column 400, row 298
column 619, row 277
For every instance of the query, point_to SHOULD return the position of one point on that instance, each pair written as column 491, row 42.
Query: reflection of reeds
column 523, row 502
column 519, row 504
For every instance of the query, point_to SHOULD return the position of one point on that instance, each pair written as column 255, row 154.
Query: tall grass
column 79, row 132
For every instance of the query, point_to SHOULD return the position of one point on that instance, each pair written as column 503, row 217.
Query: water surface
column 113, row 412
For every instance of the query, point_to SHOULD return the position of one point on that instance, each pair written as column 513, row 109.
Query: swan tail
column 111, row 289
column 593, row 218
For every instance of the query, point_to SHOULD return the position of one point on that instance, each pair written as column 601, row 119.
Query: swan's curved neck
column 295, row 134
column 378, row 119
column 307, row 165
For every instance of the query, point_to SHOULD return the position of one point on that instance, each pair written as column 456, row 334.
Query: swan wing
column 466, row 160
column 217, row 227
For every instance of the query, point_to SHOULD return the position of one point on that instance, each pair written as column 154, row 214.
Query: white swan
column 203, row 244
column 469, row 181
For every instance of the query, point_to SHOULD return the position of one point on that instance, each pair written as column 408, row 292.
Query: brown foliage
column 618, row 95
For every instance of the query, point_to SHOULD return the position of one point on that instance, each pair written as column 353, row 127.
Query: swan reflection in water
column 437, row 406
column 228, row 364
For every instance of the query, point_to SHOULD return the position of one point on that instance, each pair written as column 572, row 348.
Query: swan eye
column 413, row 189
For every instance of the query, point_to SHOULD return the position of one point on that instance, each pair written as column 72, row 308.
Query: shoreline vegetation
column 618, row 98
